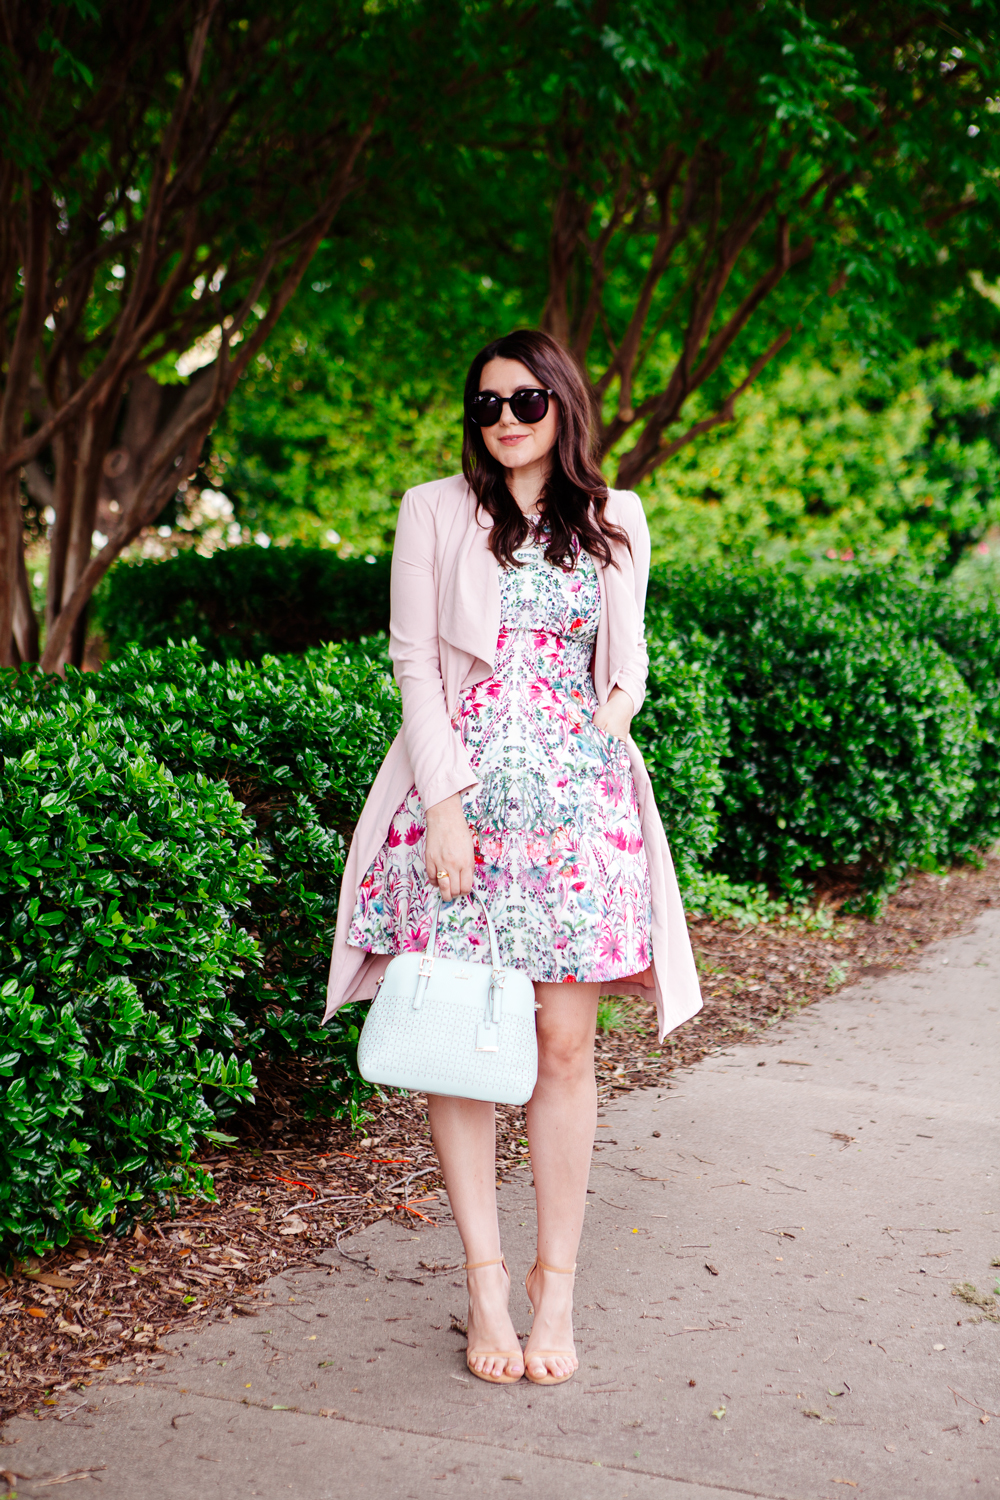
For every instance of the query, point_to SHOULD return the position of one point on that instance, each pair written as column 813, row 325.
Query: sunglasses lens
column 529, row 406
column 485, row 410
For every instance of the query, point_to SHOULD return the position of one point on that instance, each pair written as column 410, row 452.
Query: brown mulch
column 291, row 1189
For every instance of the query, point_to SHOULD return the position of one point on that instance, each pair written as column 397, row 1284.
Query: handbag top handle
column 431, row 949
column 430, row 952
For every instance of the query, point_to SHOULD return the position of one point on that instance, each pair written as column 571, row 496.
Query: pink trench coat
column 445, row 619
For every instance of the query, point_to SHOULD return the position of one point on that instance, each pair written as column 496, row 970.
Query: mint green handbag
column 443, row 1026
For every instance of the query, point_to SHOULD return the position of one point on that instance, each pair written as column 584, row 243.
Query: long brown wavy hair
column 575, row 494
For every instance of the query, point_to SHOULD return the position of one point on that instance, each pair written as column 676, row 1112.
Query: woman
column 517, row 641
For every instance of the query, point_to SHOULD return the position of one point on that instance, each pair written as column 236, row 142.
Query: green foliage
column 797, row 722
column 344, row 411
column 614, row 1015
column 118, row 887
column 709, row 119
column 671, row 147
column 298, row 741
column 840, row 458
column 245, row 603
column 156, row 936
column 682, row 732
column 853, row 741
column 968, row 630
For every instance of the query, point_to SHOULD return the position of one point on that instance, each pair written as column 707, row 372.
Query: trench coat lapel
column 469, row 595
column 469, row 590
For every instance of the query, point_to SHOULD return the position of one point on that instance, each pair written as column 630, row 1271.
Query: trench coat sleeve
column 436, row 753
column 631, row 675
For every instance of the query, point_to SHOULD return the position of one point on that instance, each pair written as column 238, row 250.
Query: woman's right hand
column 449, row 847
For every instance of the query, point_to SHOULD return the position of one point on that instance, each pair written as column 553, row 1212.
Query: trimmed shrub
column 853, row 743
column 171, row 846
column 245, row 603
column 969, row 631
column 298, row 741
column 118, row 885
column 682, row 732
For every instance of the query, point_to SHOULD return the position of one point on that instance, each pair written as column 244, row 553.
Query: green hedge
column 245, row 603
column 171, row 842
column 855, row 741
column 116, row 920
column 969, row 632
column 838, row 734
column 683, row 734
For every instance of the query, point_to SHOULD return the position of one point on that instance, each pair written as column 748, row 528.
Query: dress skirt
column 555, row 821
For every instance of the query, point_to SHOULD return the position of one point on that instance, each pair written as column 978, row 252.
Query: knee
column 565, row 1059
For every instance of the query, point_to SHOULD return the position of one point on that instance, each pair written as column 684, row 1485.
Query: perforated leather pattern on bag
column 394, row 1051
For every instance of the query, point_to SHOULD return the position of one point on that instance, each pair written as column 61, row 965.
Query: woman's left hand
column 615, row 716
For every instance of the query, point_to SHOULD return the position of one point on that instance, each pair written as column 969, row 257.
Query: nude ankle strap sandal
column 506, row 1354
column 548, row 1353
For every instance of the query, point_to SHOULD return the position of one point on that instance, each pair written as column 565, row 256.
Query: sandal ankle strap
column 562, row 1270
column 477, row 1265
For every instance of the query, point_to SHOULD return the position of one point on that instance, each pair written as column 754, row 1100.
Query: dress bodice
column 559, row 610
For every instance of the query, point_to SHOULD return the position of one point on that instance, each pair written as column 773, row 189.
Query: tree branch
column 631, row 475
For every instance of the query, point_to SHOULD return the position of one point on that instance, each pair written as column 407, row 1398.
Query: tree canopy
column 168, row 172
column 678, row 193
column 716, row 174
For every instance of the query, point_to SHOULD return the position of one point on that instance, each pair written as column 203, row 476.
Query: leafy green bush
column 682, row 732
column 737, row 629
column 853, row 743
column 244, row 603
column 299, row 741
column 969, row 631
column 118, row 885
column 157, row 937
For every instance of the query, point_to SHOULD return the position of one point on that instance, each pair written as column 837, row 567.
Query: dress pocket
column 611, row 745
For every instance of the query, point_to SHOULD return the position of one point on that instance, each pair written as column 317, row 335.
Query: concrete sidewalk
column 765, row 1302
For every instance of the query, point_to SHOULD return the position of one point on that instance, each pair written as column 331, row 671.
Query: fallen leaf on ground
column 720, row 1412
column 294, row 1225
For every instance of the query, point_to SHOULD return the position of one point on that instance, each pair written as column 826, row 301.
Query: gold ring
column 442, row 874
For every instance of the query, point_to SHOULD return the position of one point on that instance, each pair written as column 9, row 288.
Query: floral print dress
column 560, row 861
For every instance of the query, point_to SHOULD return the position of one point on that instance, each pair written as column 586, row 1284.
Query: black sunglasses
column 528, row 405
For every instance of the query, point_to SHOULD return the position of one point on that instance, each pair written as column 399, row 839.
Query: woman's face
column 516, row 444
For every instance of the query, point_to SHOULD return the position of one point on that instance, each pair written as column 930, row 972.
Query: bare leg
column 562, row 1117
column 464, row 1132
